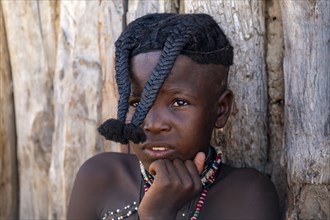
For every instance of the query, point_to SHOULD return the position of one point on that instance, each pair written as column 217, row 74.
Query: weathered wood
column 8, row 158
column 246, row 132
column 138, row 8
column 111, row 23
column 307, row 107
column 274, row 57
column 31, row 47
column 77, row 99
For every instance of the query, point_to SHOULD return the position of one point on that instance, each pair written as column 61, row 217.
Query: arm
column 86, row 192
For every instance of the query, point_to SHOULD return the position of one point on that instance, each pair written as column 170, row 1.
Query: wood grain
column 307, row 107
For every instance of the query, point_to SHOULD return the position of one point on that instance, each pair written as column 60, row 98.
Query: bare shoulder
column 106, row 169
column 110, row 163
column 249, row 180
column 244, row 193
column 99, row 182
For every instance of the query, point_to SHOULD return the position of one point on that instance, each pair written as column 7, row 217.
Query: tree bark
column 138, row 8
column 29, row 28
column 307, row 107
column 8, row 158
column 244, row 139
column 77, row 99
column 112, row 20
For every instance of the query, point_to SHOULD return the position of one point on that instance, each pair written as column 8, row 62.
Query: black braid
column 171, row 51
column 113, row 129
column 195, row 35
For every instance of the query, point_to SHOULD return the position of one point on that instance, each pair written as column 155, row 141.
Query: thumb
column 199, row 161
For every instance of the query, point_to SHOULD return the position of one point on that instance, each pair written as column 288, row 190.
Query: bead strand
column 121, row 213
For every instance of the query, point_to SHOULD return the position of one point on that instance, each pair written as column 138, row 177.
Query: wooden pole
column 31, row 43
column 246, row 132
column 8, row 157
column 77, row 99
column 307, row 107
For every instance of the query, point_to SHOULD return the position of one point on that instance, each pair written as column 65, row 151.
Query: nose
column 156, row 121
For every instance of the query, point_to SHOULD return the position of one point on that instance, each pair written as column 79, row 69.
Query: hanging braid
column 197, row 36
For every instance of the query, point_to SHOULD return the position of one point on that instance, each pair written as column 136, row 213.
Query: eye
column 180, row 102
column 134, row 103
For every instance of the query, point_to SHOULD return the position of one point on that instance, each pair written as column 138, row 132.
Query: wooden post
column 31, row 46
column 246, row 132
column 8, row 157
column 138, row 8
column 77, row 99
column 112, row 20
column 307, row 107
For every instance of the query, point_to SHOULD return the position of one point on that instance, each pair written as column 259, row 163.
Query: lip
column 158, row 150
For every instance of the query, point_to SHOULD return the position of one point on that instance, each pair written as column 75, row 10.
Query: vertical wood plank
column 8, row 157
column 31, row 47
column 77, row 99
column 138, row 8
column 111, row 23
column 307, row 107
column 245, row 140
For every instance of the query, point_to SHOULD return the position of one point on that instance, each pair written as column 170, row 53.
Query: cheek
column 135, row 147
column 196, row 128
column 203, row 124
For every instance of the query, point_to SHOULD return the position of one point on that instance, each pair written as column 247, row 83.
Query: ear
column 224, row 108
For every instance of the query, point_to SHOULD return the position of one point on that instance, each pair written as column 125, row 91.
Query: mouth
column 158, row 150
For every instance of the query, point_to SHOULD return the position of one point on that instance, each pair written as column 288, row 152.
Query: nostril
column 156, row 125
column 157, row 120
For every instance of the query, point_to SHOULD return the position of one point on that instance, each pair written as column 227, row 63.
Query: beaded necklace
column 208, row 177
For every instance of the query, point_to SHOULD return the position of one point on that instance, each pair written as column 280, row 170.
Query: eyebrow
column 177, row 91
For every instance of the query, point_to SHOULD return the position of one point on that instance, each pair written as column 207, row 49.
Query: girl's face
column 181, row 121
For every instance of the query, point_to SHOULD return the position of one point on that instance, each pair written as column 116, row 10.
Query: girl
column 171, row 72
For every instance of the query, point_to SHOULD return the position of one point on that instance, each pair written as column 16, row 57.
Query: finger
column 158, row 166
column 173, row 174
column 194, row 175
column 183, row 172
column 199, row 161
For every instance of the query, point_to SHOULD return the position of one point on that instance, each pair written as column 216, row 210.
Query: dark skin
column 178, row 129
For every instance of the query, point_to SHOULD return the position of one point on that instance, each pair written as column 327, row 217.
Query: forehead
column 184, row 71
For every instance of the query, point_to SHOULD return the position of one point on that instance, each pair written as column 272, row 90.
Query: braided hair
column 197, row 36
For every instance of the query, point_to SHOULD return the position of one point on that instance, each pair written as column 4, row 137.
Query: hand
column 176, row 183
